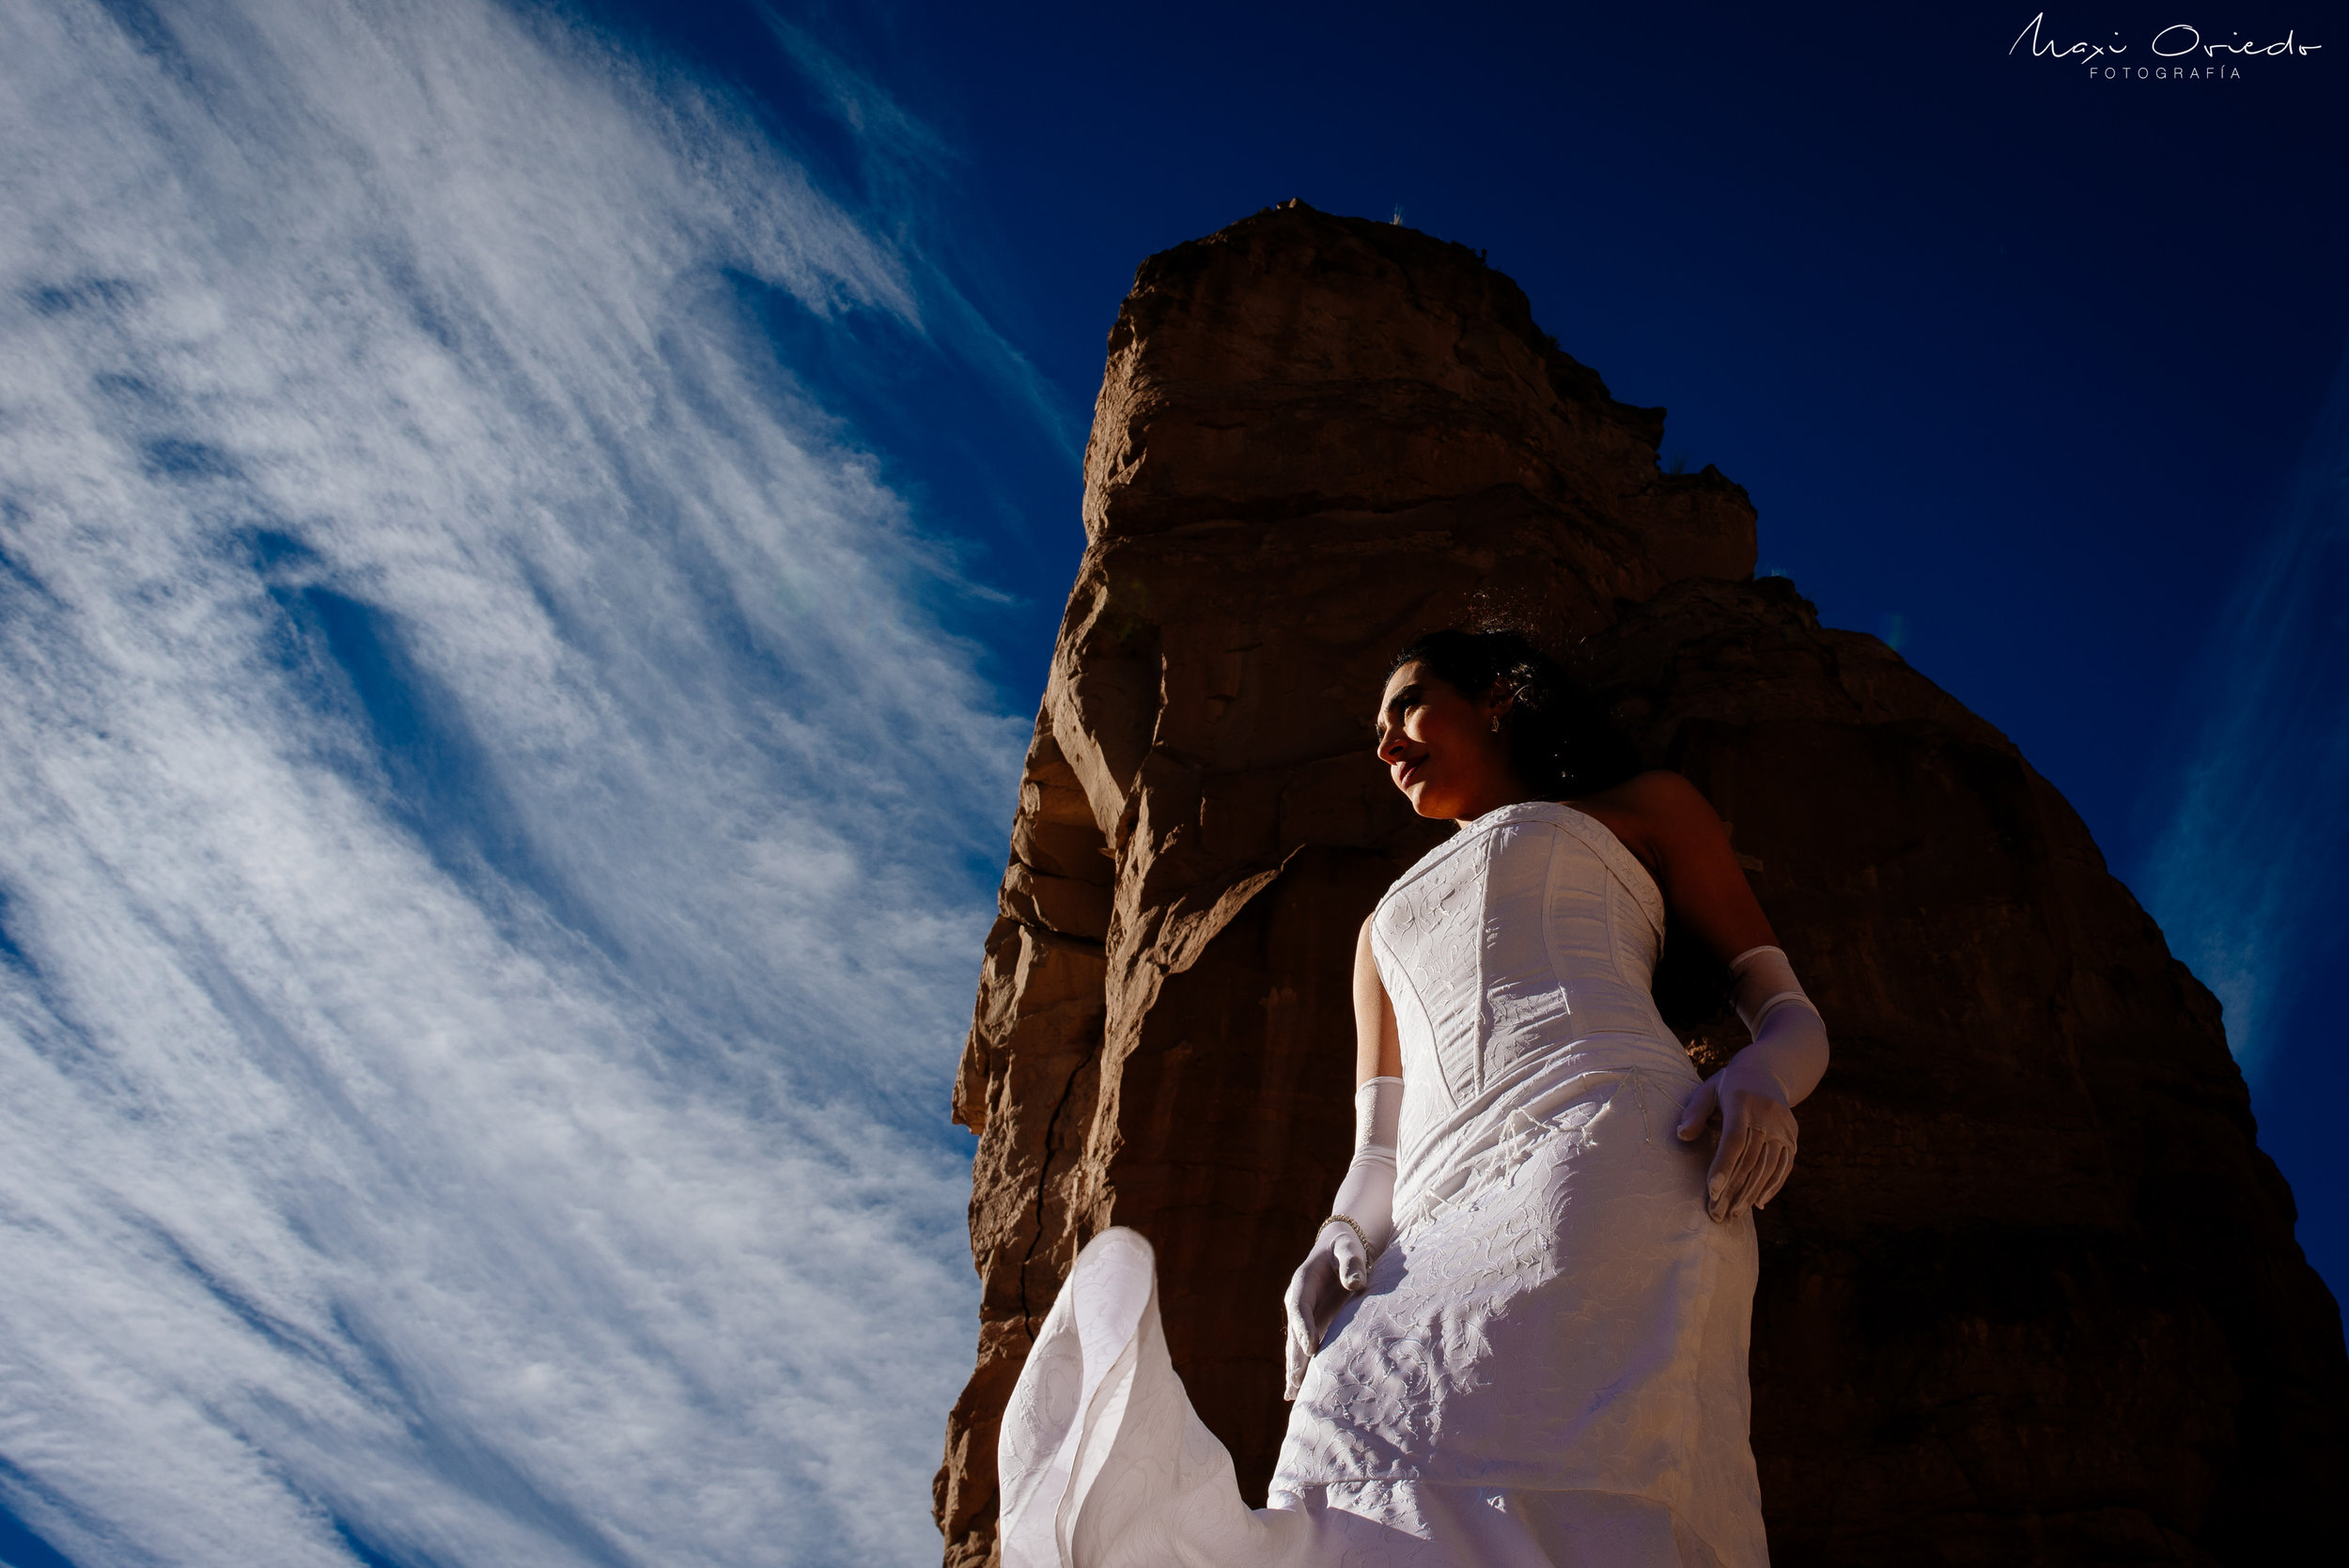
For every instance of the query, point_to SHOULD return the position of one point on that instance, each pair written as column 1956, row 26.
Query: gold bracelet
column 1352, row 1224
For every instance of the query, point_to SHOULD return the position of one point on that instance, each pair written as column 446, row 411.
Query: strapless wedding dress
column 1548, row 1366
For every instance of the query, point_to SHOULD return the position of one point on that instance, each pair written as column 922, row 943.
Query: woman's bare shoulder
column 1700, row 877
column 1655, row 815
column 1661, row 790
column 1658, row 795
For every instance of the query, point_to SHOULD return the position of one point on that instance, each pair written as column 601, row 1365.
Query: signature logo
column 2178, row 50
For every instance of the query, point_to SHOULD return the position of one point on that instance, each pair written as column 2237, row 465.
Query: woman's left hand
column 1757, row 1147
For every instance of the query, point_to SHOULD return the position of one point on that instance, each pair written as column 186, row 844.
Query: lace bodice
column 1531, row 933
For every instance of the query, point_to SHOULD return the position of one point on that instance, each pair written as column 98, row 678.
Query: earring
column 1496, row 723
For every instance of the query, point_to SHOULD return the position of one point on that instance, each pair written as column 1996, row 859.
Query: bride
column 1519, row 1338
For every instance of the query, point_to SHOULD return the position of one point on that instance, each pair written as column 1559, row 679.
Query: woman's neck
column 1507, row 792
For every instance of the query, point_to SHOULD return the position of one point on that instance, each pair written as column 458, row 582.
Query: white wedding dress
column 1548, row 1369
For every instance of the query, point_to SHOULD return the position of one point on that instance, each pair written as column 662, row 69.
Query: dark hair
column 1562, row 745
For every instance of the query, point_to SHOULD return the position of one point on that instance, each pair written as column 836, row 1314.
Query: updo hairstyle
column 1562, row 745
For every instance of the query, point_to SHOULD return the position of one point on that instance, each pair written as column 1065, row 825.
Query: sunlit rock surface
column 2033, row 1294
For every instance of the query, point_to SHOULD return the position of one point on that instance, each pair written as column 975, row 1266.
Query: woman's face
column 1440, row 748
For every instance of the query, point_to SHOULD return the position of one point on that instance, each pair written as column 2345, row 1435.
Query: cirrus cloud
column 487, row 819
column 2241, row 876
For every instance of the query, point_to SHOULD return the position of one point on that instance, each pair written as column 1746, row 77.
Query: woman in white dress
column 1519, row 1339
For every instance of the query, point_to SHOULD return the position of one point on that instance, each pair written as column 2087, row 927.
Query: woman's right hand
column 1338, row 1264
column 1335, row 1268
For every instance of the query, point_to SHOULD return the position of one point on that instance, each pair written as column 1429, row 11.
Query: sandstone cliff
column 2033, row 1294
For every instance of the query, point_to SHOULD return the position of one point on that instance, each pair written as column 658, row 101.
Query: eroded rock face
column 2031, row 1296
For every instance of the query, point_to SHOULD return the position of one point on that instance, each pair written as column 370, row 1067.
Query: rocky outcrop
column 2032, row 1296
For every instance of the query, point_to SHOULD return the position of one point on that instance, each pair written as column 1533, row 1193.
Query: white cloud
column 2243, row 877
column 900, row 158
column 483, row 816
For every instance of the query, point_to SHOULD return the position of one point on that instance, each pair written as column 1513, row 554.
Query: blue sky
column 530, row 537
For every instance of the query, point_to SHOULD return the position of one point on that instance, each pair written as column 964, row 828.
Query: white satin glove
column 1757, row 1092
column 1338, row 1264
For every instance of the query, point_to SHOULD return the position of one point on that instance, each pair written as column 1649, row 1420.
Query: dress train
column 1105, row 1464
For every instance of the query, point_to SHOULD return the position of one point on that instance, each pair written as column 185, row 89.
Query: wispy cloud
column 902, row 161
column 2245, row 875
column 485, row 825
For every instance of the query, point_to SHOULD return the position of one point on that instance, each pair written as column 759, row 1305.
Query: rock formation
column 2032, row 1296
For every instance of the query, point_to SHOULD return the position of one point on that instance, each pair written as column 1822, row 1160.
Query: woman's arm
column 1674, row 828
column 1362, row 1219
column 1706, row 888
column 1378, row 1050
column 1678, row 834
